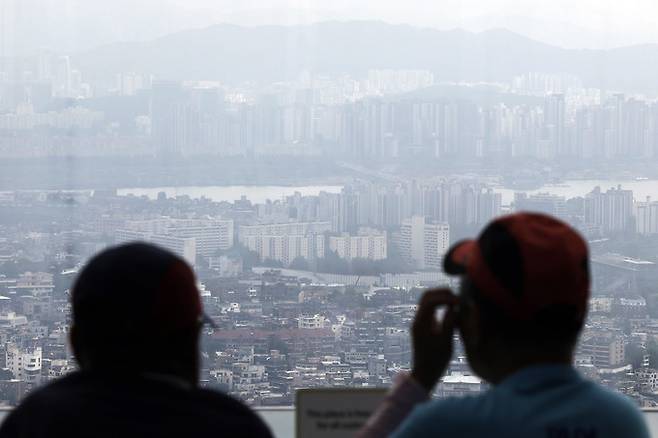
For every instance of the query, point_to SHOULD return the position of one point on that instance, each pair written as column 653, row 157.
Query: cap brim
column 458, row 256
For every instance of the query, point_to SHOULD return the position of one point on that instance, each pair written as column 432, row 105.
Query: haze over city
column 313, row 163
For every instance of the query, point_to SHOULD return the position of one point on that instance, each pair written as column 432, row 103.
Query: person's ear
column 476, row 323
column 470, row 324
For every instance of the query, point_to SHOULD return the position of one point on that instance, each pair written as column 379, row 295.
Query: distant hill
column 270, row 53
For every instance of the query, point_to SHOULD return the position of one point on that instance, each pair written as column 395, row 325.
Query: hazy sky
column 571, row 23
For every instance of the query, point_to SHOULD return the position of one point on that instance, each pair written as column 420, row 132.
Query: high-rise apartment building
column 24, row 363
column 211, row 235
column 553, row 205
column 286, row 248
column 606, row 351
column 610, row 211
column 366, row 245
column 167, row 118
column 554, row 126
column 284, row 242
column 189, row 238
column 423, row 244
column 283, row 229
column 62, row 77
column 646, row 217
column 184, row 247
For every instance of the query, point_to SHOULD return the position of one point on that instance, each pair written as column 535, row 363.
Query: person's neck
column 169, row 379
column 502, row 369
column 182, row 378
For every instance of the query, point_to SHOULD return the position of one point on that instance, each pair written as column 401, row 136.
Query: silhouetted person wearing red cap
column 522, row 304
column 137, row 317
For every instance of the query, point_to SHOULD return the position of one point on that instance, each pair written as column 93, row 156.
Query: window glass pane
column 314, row 163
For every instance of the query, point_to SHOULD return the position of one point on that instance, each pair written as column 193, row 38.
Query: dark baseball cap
column 524, row 263
column 137, row 287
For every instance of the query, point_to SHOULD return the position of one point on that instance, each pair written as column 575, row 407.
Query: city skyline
column 315, row 175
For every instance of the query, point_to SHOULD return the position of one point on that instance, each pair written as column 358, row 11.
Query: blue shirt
column 548, row 401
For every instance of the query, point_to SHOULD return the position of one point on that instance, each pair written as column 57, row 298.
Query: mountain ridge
column 235, row 53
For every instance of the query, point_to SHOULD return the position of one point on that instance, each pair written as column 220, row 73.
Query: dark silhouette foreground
column 136, row 321
column 521, row 306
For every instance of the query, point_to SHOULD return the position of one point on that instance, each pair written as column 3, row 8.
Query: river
column 573, row 188
column 259, row 194
column 256, row 194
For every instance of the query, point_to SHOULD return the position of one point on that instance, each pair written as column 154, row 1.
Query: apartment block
column 423, row 244
column 181, row 246
column 284, row 242
column 366, row 246
column 189, row 238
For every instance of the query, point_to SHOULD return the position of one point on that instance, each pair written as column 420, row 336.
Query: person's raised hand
column 431, row 338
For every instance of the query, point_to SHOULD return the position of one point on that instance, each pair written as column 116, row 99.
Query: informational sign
column 335, row 413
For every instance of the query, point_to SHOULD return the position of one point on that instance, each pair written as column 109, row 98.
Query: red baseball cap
column 524, row 263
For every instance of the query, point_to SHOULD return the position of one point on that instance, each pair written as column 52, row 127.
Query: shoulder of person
column 461, row 406
column 221, row 400
column 35, row 406
column 453, row 413
column 229, row 405
column 51, row 392
column 618, row 408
